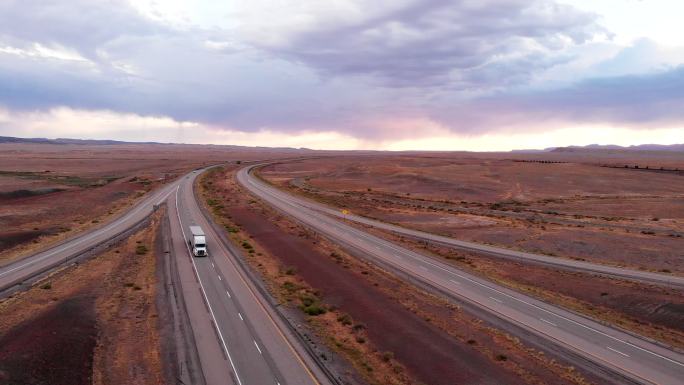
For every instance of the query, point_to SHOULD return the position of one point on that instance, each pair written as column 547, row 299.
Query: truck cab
column 198, row 242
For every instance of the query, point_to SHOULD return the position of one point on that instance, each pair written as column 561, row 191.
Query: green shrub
column 141, row 250
column 291, row 287
column 311, row 305
column 344, row 319
column 314, row 309
column 307, row 300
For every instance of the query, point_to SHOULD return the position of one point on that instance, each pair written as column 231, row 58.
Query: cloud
column 467, row 44
column 371, row 71
column 652, row 100
column 82, row 25
column 65, row 122
column 649, row 99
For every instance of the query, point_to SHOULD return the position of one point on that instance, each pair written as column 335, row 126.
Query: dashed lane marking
column 617, row 351
column 548, row 322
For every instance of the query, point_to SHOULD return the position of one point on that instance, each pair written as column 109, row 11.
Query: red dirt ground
column 53, row 348
column 428, row 353
column 575, row 209
column 49, row 192
column 299, row 264
column 94, row 322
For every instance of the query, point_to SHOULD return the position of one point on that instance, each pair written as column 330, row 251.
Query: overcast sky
column 345, row 74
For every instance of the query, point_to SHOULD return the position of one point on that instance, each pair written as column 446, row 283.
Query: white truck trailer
column 198, row 242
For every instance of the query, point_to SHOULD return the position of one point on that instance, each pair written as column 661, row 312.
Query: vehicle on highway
column 198, row 242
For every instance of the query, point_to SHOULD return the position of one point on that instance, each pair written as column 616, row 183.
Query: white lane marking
column 496, row 299
column 204, row 293
column 471, row 246
column 548, row 322
column 575, row 322
column 240, row 315
column 212, row 265
column 228, row 294
column 85, row 237
column 257, row 346
column 617, row 351
column 267, row 190
column 219, row 277
column 456, row 282
column 165, row 196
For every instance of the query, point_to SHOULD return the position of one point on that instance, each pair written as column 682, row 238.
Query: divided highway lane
column 27, row 267
column 566, row 264
column 562, row 263
column 633, row 357
column 228, row 315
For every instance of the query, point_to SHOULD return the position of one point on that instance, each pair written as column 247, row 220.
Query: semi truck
column 198, row 242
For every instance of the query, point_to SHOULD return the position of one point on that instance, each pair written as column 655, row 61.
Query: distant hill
column 533, row 151
column 607, row 147
column 11, row 139
column 98, row 142
column 640, row 147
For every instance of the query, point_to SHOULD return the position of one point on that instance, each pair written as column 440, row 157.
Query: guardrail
column 247, row 270
column 28, row 280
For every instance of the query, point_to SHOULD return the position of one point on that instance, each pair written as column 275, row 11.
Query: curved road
column 561, row 263
column 24, row 268
column 556, row 262
column 632, row 357
column 240, row 340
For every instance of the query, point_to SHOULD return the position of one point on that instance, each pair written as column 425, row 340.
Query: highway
column 24, row 268
column 240, row 339
column 632, row 357
column 556, row 262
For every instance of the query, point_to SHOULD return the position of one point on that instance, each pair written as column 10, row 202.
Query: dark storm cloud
column 438, row 42
column 646, row 101
column 638, row 99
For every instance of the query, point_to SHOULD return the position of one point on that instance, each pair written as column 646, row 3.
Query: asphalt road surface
column 561, row 263
column 240, row 339
column 24, row 268
column 631, row 356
